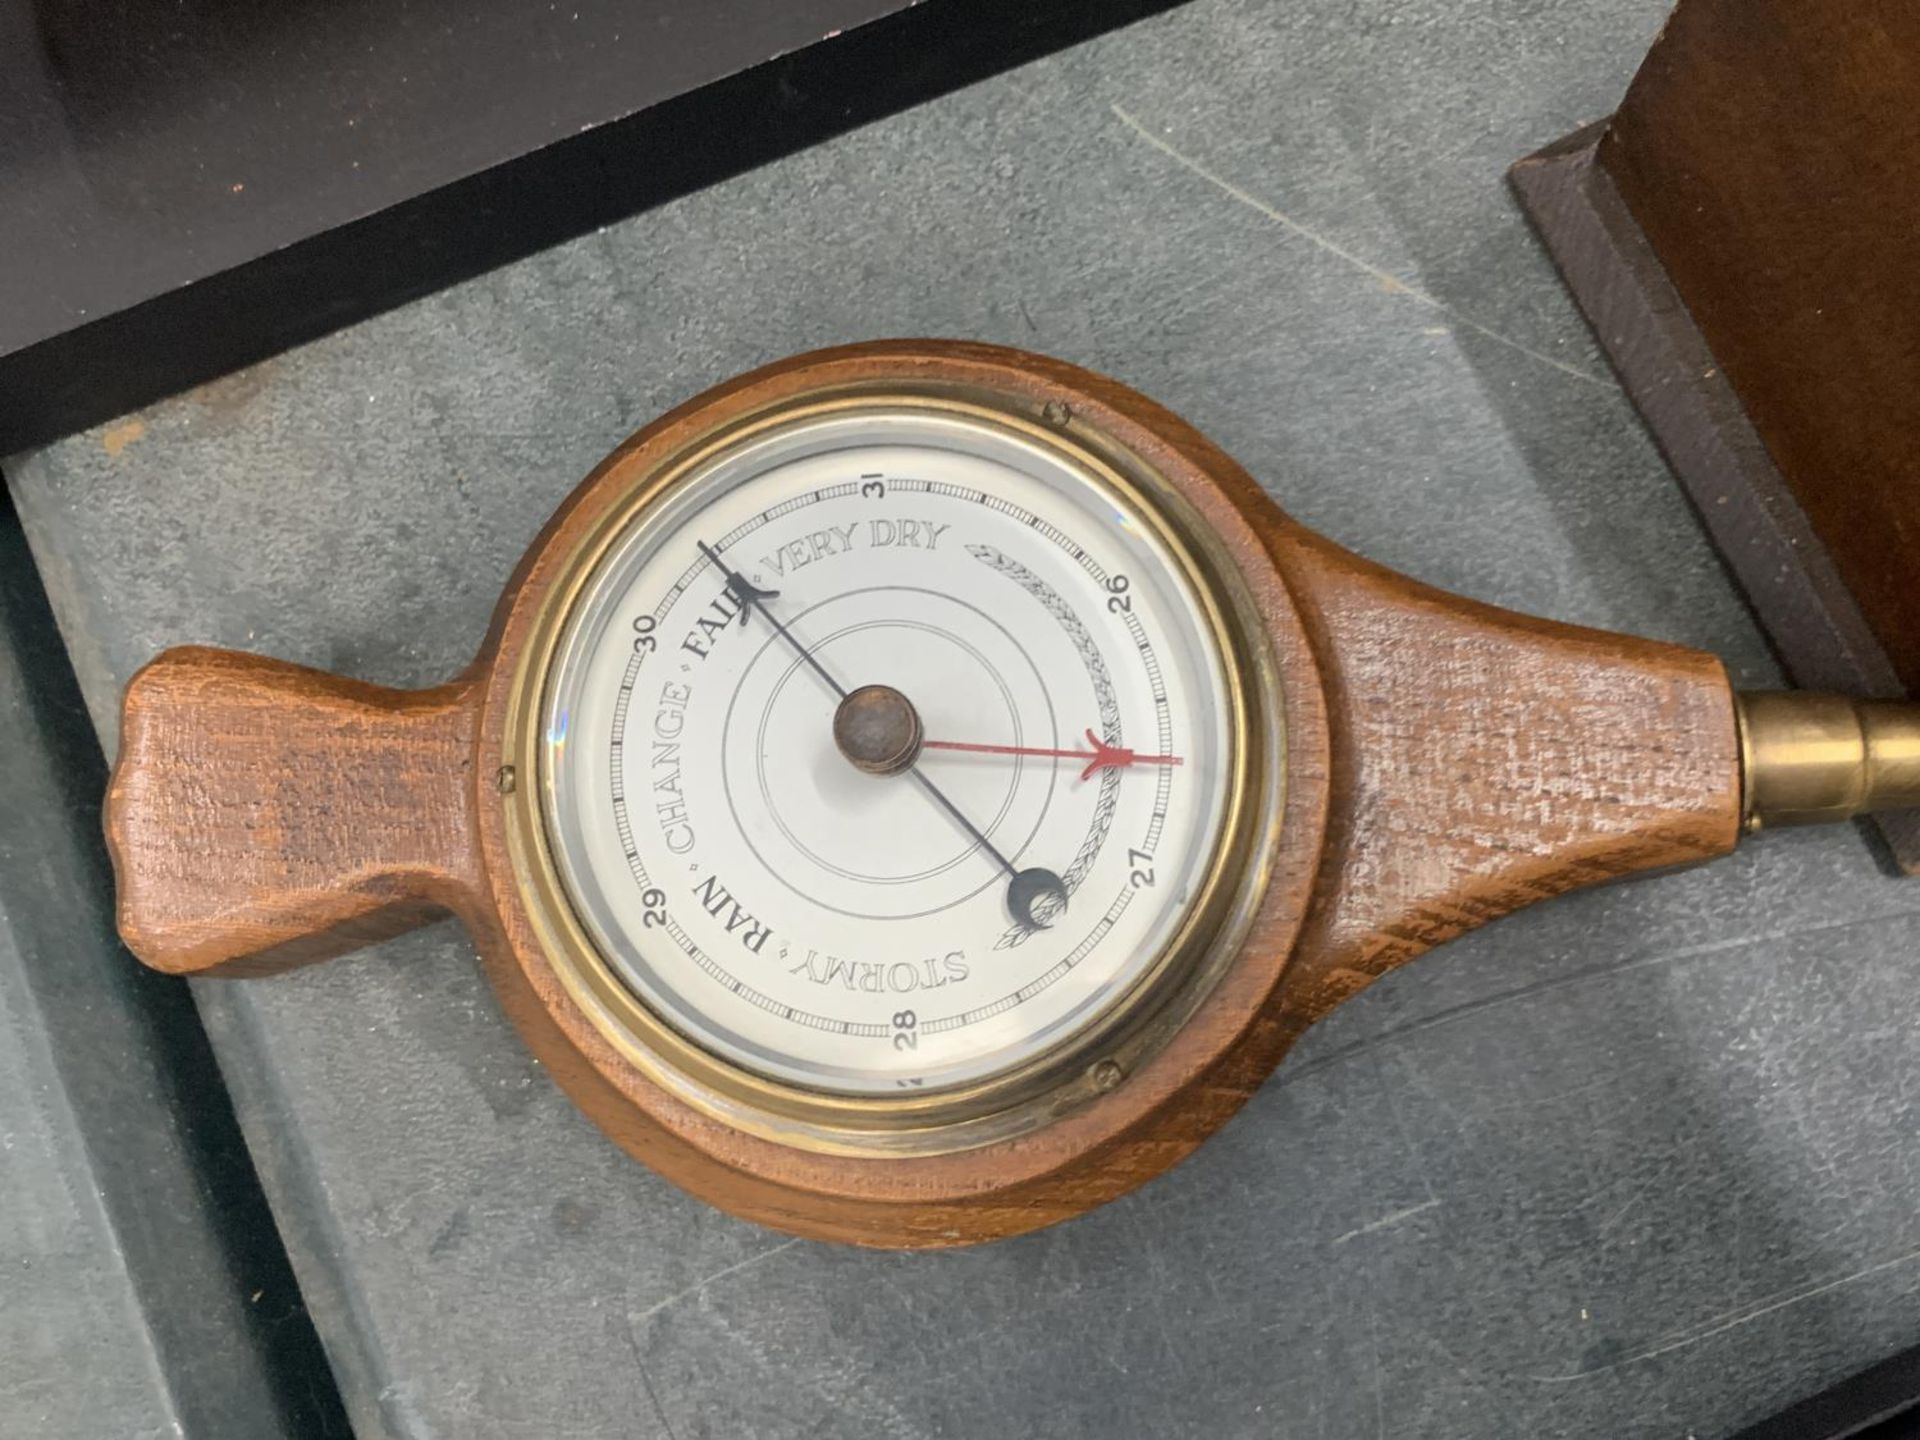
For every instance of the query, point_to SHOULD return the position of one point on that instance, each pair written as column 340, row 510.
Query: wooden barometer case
column 916, row 792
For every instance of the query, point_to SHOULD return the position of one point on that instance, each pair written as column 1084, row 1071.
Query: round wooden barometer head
column 915, row 792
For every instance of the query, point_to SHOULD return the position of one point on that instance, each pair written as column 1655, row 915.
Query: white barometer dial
column 887, row 750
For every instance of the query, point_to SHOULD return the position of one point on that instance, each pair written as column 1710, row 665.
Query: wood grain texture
column 1484, row 761
column 1446, row 763
column 1766, row 148
column 263, row 815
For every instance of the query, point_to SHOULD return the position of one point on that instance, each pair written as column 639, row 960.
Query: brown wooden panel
column 1767, row 148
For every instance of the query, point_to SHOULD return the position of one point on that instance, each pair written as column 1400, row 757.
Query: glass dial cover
column 1046, row 727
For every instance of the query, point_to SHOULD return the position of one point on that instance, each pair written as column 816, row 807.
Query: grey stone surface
column 125, row 1310
column 1641, row 1162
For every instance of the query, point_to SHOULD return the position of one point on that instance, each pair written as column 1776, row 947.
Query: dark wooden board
column 1767, row 149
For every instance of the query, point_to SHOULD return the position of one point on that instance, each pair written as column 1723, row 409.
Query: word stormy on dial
column 899, row 977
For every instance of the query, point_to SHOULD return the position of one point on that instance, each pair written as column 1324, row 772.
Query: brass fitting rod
column 1807, row 757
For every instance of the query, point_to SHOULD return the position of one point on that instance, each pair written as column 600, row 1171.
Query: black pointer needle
column 749, row 596
column 1027, row 885
column 964, row 823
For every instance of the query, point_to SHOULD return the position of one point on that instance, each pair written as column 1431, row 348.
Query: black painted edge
column 1882, row 1402
column 194, row 334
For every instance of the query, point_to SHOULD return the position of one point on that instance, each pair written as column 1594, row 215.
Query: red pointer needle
column 1102, row 757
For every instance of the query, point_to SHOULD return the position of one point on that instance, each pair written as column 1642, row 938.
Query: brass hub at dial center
column 878, row 730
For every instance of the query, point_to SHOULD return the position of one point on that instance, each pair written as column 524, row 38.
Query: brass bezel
column 1083, row 1065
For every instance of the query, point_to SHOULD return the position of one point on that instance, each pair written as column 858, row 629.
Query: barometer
column 915, row 792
